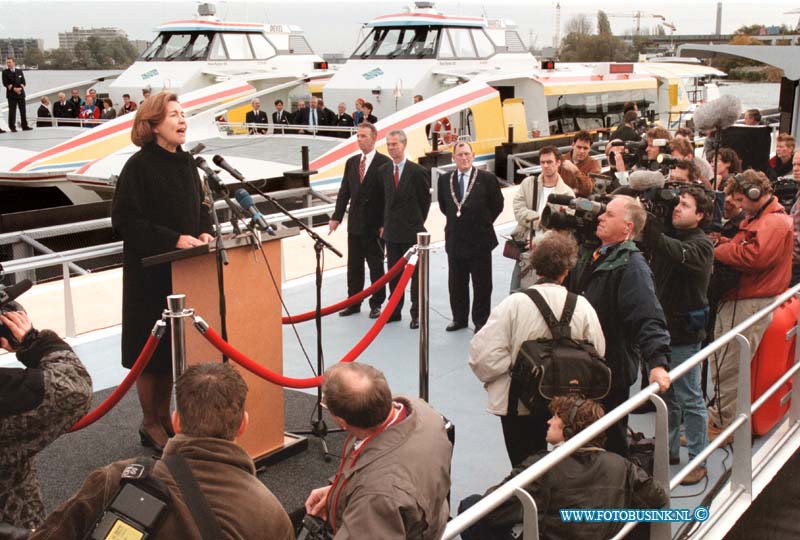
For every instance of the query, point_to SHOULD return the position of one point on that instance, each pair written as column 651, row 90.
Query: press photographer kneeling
column 38, row 403
column 681, row 260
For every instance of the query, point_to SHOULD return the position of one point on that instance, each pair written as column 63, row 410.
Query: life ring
column 444, row 129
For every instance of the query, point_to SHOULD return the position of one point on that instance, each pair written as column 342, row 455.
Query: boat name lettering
column 371, row 74
column 150, row 74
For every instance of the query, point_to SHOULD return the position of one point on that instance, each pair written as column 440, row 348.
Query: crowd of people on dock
column 641, row 282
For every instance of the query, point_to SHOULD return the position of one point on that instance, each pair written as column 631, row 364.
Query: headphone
column 570, row 429
column 750, row 191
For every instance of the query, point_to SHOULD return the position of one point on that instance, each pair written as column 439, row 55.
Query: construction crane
column 638, row 15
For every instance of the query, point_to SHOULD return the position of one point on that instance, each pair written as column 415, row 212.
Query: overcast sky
column 332, row 26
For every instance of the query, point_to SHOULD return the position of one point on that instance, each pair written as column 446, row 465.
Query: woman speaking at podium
column 159, row 206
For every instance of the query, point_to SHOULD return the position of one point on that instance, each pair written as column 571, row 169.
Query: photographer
column 209, row 415
column 683, row 150
column 530, row 200
column 38, row 403
column 658, row 142
column 617, row 281
column 578, row 165
column 761, row 253
column 627, row 131
column 684, row 172
column 681, row 264
column 394, row 477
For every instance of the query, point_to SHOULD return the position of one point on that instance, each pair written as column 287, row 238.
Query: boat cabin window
column 483, row 43
column 178, row 46
column 241, row 46
column 462, row 42
column 569, row 113
column 404, row 42
column 299, row 45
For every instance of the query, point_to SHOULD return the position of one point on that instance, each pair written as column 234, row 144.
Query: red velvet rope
column 347, row 302
column 122, row 389
column 291, row 382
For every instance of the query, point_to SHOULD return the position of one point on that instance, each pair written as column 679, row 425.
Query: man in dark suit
column 407, row 196
column 63, row 108
column 470, row 200
column 280, row 117
column 342, row 119
column 256, row 116
column 362, row 187
column 14, row 82
column 326, row 117
column 44, row 112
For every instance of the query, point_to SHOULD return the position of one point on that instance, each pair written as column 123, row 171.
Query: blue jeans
column 685, row 398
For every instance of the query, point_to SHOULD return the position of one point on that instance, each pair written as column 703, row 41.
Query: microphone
column 719, row 113
column 220, row 162
column 644, row 180
column 566, row 200
column 11, row 292
column 214, row 180
column 196, row 149
column 248, row 204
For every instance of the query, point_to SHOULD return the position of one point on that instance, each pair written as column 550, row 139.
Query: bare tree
column 579, row 24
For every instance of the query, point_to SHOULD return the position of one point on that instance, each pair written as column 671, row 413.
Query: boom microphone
column 11, row 292
column 644, row 180
column 248, row 204
column 719, row 113
column 220, row 162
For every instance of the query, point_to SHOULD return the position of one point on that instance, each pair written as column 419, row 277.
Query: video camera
column 785, row 190
column 583, row 223
column 662, row 201
column 632, row 152
column 9, row 293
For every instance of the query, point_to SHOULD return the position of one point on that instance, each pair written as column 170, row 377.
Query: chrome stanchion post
column 423, row 269
column 176, row 305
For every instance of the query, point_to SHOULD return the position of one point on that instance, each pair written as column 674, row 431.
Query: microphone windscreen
column 244, row 198
column 719, row 113
column 644, row 180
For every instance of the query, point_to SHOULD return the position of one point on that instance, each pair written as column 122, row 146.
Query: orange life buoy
column 444, row 129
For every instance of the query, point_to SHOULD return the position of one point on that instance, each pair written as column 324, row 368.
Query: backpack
column 556, row 366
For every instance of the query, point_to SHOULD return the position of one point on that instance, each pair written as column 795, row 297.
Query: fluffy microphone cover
column 644, row 180
column 720, row 113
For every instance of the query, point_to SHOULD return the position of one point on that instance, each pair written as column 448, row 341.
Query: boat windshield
column 401, row 42
column 178, row 46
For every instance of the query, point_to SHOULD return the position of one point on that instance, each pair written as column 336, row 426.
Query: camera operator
column 681, row 264
column 209, row 415
column 530, row 200
column 394, row 477
column 796, row 223
column 38, row 403
column 617, row 281
column 658, row 142
column 626, row 131
column 683, row 150
column 578, row 165
column 685, row 172
column 760, row 252
column 781, row 163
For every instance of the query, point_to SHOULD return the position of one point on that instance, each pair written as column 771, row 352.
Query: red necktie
column 396, row 176
column 362, row 168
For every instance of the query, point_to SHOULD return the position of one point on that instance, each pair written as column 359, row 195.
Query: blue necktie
column 313, row 117
column 460, row 186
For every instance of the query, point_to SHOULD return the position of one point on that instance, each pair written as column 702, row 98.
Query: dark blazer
column 326, row 117
column 343, row 120
column 286, row 117
column 405, row 207
column 254, row 117
column 300, row 117
column 371, row 119
column 67, row 110
column 366, row 199
column 473, row 232
column 43, row 112
column 16, row 79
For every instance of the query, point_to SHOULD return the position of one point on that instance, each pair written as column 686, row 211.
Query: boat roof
column 216, row 25
column 426, row 18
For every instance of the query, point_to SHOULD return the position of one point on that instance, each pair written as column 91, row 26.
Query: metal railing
column 67, row 259
column 743, row 469
column 247, row 128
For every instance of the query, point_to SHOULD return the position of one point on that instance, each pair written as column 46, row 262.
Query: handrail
column 742, row 444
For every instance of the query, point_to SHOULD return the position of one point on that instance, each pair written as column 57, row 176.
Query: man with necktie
column 280, row 117
column 14, row 81
column 362, row 188
column 407, row 196
column 256, row 116
column 470, row 200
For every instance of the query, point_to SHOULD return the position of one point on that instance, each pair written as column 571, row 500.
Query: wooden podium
column 253, row 323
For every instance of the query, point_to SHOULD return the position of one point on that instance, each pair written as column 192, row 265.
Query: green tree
column 603, row 24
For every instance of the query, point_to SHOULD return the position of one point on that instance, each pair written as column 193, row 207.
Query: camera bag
column 548, row 367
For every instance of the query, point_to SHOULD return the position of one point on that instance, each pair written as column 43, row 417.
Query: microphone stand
column 318, row 427
column 218, row 190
